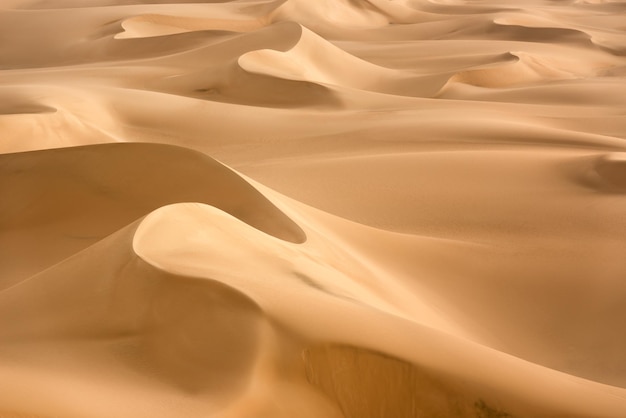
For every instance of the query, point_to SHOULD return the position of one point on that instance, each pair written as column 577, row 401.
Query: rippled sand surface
column 298, row 208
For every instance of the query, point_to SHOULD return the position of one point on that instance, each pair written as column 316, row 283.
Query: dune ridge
column 88, row 196
column 341, row 209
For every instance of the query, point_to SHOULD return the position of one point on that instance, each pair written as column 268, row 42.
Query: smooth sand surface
column 297, row 208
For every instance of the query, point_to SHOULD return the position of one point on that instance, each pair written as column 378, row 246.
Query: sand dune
column 280, row 208
column 134, row 314
column 362, row 14
column 88, row 196
column 611, row 171
column 314, row 60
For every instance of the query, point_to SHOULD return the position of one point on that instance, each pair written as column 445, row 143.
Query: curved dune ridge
column 90, row 192
column 294, row 208
column 312, row 59
column 210, row 17
column 611, row 170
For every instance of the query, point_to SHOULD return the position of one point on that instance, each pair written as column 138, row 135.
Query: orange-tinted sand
column 301, row 208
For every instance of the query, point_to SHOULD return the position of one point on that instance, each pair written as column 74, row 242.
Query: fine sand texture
column 312, row 208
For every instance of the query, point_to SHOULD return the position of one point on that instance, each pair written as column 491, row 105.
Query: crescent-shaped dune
column 90, row 192
column 312, row 59
column 317, row 209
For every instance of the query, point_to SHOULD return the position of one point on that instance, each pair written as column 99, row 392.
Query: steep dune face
column 329, row 281
column 342, row 209
column 315, row 60
column 611, row 169
column 69, row 198
column 125, row 324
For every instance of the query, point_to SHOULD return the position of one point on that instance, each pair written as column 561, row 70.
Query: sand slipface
column 343, row 209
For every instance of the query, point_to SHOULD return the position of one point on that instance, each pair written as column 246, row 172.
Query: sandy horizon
column 297, row 208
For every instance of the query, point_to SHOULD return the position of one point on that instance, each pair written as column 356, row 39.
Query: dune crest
column 146, row 26
column 611, row 168
column 194, row 252
column 525, row 69
column 91, row 192
column 314, row 59
column 158, row 330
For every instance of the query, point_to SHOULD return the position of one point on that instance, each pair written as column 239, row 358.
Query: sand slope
column 279, row 208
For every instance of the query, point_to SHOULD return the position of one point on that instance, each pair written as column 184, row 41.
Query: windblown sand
column 315, row 209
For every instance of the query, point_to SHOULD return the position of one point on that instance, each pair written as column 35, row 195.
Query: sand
column 297, row 208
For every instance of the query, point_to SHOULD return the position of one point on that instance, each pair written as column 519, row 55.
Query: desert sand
column 316, row 209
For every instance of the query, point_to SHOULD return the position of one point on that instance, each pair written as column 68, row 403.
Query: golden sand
column 299, row 208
